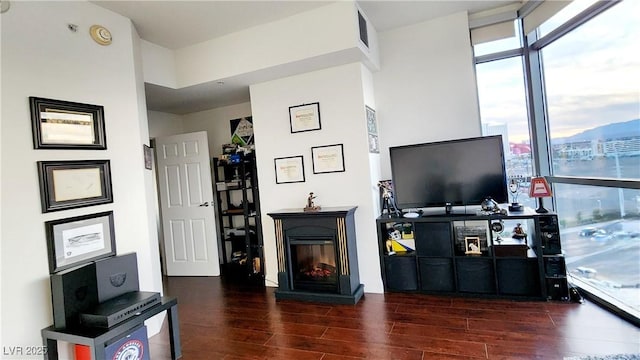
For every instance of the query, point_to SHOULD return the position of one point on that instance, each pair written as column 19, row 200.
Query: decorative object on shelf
column 372, row 129
column 78, row 240
column 305, row 117
column 490, row 206
column 540, row 188
column 327, row 159
column 472, row 245
column 289, row 169
column 497, row 227
column 58, row 124
column 72, row 184
column 242, row 131
column 310, row 204
column 514, row 188
column 393, row 235
column 387, row 200
column 518, row 232
column 100, row 34
column 147, row 156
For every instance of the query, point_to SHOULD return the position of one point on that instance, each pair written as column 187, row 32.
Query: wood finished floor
column 225, row 321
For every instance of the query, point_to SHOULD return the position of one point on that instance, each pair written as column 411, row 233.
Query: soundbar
column 119, row 309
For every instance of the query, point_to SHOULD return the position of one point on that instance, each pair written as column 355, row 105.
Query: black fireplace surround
column 317, row 256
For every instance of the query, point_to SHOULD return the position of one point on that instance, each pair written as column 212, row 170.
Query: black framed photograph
column 305, row 117
column 73, row 184
column 289, row 169
column 79, row 240
column 327, row 159
column 58, row 124
column 148, row 157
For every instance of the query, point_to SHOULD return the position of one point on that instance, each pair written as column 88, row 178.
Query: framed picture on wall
column 305, row 117
column 289, row 169
column 77, row 240
column 327, row 159
column 58, row 124
column 72, row 184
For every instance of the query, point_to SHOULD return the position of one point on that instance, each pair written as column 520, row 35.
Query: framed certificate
column 289, row 169
column 58, row 124
column 327, row 159
column 72, row 184
column 304, row 117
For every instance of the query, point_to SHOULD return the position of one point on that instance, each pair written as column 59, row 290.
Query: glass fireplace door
column 313, row 265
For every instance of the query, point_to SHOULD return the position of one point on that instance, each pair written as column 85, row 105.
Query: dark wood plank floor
column 225, row 321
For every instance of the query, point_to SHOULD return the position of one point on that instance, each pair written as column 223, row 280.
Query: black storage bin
column 401, row 273
column 436, row 274
column 433, row 239
column 476, row 275
column 518, row 277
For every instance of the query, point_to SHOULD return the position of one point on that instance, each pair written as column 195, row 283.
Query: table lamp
column 540, row 188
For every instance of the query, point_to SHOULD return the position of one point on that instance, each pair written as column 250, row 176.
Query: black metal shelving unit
column 239, row 224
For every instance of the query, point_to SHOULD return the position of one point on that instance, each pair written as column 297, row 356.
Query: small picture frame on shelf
column 472, row 245
column 58, row 124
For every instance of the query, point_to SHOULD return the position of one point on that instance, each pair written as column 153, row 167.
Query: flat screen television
column 459, row 172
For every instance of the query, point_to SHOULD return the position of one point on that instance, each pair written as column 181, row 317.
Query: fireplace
column 313, row 265
column 317, row 257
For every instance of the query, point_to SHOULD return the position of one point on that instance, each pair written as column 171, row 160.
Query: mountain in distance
column 626, row 129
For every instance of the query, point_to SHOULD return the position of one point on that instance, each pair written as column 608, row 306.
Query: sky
column 592, row 76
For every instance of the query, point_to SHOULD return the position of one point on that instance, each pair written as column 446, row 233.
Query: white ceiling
column 176, row 24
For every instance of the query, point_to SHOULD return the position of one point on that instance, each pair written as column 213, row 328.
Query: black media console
column 517, row 255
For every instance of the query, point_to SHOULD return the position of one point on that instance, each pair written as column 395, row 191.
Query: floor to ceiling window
column 589, row 72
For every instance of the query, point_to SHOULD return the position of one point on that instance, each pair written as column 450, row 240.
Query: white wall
column 339, row 90
column 425, row 89
column 216, row 123
column 324, row 30
column 164, row 124
column 50, row 61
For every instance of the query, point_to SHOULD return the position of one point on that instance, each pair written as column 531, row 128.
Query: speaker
column 557, row 289
column 116, row 275
column 550, row 235
column 73, row 291
column 554, row 266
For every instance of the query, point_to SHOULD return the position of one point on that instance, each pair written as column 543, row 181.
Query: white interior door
column 186, row 205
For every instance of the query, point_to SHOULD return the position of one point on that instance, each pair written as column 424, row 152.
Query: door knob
column 206, row 203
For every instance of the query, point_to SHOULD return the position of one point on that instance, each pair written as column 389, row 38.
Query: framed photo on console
column 73, row 184
column 58, row 124
column 78, row 240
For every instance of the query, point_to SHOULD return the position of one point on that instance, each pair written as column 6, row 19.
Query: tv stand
column 483, row 255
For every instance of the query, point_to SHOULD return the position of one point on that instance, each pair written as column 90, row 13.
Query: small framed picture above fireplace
column 289, row 169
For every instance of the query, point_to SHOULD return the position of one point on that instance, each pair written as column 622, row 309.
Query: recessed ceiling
column 177, row 24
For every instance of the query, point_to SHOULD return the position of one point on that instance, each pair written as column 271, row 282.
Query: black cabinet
column 516, row 255
column 238, row 216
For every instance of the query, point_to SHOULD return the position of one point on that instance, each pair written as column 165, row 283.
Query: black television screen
column 457, row 172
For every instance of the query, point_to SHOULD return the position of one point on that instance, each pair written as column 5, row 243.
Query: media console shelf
column 517, row 255
column 98, row 338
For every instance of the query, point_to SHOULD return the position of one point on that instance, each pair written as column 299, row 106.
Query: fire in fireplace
column 314, row 265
